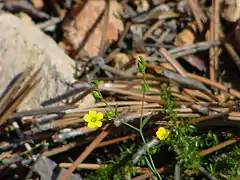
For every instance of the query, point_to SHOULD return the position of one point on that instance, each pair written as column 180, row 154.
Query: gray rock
column 22, row 45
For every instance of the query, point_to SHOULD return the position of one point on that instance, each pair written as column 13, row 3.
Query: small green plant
column 169, row 107
column 182, row 139
column 187, row 143
column 184, row 143
column 181, row 136
column 113, row 115
column 225, row 166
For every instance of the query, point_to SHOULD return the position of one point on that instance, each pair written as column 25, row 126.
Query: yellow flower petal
column 162, row 133
column 93, row 118
column 87, row 118
column 99, row 116
column 92, row 113
column 91, row 125
column 98, row 123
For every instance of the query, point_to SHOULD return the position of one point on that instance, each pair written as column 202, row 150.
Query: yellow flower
column 162, row 133
column 93, row 118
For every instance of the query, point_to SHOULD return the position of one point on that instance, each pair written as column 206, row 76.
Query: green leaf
column 116, row 111
column 145, row 87
column 149, row 165
column 95, row 83
column 141, row 64
column 97, row 95
column 109, row 115
column 145, row 121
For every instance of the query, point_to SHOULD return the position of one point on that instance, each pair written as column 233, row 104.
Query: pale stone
column 22, row 45
column 231, row 10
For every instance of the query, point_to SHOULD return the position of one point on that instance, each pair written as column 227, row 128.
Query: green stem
column 151, row 163
column 103, row 100
column 141, row 119
column 150, row 157
column 129, row 125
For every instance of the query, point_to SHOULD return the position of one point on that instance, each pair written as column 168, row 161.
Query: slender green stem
column 103, row 100
column 151, row 163
column 129, row 125
column 150, row 157
column 141, row 119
